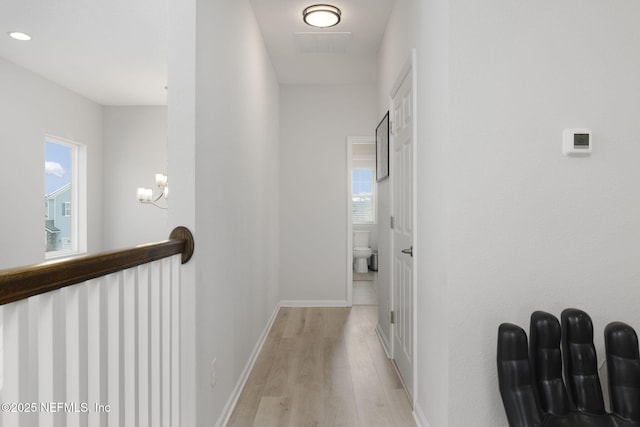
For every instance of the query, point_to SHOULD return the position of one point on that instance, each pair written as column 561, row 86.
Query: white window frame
column 373, row 195
column 78, row 198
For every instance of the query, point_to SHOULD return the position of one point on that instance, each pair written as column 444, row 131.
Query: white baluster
column 176, row 262
column 31, row 385
column 156, row 345
column 45, row 351
column 96, row 352
column 129, row 305
column 143, row 347
column 76, row 362
column 1, row 358
column 166, row 342
column 114, row 348
column 58, row 334
column 15, row 370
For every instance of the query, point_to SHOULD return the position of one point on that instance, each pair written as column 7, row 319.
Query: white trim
column 349, row 284
column 313, row 303
column 409, row 67
column 78, row 197
column 244, row 376
column 416, row 225
column 83, row 199
column 384, row 341
column 349, row 278
column 419, row 417
column 406, row 68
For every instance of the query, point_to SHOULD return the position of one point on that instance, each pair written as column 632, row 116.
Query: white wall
column 435, row 307
column 315, row 124
column 135, row 149
column 181, row 149
column 509, row 225
column 531, row 228
column 31, row 107
column 223, row 154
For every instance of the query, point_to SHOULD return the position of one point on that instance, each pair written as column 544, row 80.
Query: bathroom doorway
column 362, row 229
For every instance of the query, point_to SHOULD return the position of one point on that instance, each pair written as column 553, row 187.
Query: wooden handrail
column 24, row 282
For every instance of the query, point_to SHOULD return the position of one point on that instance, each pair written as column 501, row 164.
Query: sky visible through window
column 362, row 181
column 57, row 166
column 362, row 200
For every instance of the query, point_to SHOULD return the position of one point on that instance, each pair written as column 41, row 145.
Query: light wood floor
column 323, row 367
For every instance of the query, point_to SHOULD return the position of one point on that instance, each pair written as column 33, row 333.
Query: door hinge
column 391, row 222
column 392, row 317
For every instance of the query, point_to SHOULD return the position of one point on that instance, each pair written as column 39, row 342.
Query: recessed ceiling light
column 19, row 36
column 321, row 15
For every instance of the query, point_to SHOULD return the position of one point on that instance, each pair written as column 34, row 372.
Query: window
column 363, row 206
column 65, row 197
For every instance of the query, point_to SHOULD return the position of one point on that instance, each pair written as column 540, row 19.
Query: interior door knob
column 408, row 251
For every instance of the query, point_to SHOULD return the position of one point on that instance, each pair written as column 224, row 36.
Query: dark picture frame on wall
column 382, row 149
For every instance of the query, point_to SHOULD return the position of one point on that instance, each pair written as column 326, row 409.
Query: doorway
column 362, row 231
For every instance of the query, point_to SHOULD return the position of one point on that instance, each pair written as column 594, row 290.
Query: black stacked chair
column 533, row 389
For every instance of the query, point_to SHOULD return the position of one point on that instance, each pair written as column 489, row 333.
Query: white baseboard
column 235, row 394
column 327, row 303
column 383, row 340
column 418, row 416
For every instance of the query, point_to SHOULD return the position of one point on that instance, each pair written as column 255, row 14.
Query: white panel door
column 402, row 140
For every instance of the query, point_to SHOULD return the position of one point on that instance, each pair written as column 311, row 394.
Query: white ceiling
column 114, row 52
column 366, row 20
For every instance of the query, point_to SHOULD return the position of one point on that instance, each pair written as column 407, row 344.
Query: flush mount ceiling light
column 321, row 15
column 19, row 36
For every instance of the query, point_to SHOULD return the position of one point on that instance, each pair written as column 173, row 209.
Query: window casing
column 65, row 198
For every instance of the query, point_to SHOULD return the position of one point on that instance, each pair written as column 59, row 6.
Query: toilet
column 361, row 251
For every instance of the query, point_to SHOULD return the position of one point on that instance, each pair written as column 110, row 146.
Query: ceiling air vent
column 322, row 42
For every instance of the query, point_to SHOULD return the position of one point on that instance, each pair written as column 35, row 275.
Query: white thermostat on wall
column 576, row 141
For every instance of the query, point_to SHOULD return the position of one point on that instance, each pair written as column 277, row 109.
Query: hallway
column 323, row 367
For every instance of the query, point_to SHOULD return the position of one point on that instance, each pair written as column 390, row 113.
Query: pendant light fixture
column 321, row 15
column 145, row 195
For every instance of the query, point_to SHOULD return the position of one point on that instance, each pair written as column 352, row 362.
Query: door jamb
column 351, row 140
